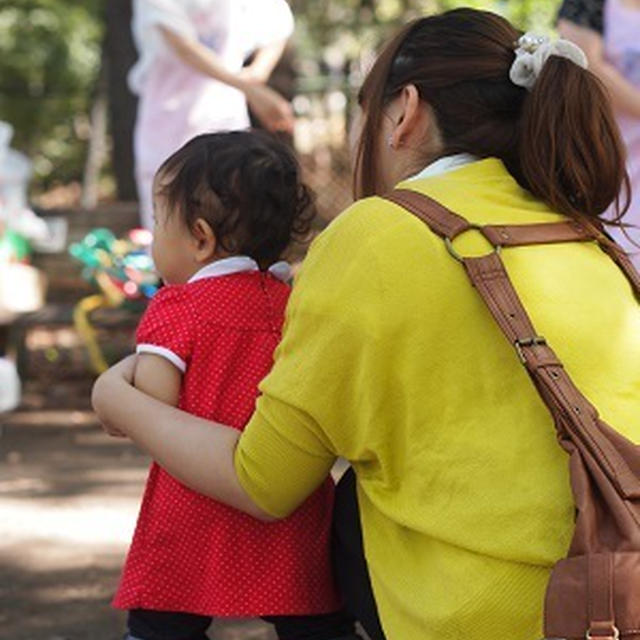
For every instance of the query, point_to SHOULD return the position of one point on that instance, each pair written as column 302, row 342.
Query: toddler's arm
column 164, row 341
column 157, row 377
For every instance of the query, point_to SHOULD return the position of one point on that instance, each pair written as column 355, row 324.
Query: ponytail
column 560, row 140
column 571, row 154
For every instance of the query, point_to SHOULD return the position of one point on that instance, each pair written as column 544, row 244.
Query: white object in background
column 10, row 390
column 26, row 223
column 15, row 171
column 22, row 288
column 45, row 235
column 55, row 239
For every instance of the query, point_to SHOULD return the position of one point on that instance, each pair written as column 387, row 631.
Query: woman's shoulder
column 361, row 216
column 361, row 226
column 349, row 260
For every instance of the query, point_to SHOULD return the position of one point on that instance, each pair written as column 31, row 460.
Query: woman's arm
column 270, row 107
column 624, row 95
column 314, row 405
column 197, row 452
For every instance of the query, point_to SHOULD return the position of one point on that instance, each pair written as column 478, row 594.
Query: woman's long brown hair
column 560, row 141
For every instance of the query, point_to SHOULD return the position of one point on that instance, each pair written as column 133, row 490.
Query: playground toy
column 122, row 269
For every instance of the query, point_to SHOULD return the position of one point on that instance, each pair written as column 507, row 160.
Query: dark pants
column 349, row 563
column 166, row 625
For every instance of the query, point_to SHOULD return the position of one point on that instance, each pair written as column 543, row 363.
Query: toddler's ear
column 205, row 240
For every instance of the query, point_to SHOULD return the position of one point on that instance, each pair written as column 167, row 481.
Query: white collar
column 444, row 165
column 240, row 264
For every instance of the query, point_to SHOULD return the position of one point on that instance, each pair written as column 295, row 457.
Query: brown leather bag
column 595, row 591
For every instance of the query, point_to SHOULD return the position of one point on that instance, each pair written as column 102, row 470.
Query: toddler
column 226, row 206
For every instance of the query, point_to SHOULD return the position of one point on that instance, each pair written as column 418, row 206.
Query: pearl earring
column 390, row 142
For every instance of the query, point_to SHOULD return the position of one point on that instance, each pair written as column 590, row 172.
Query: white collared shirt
column 240, row 264
column 444, row 165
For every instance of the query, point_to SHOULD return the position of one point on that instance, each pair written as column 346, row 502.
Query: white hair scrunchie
column 532, row 53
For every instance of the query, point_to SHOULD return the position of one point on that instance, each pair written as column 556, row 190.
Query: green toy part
column 14, row 248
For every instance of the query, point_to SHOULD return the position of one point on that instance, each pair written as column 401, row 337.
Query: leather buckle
column 528, row 342
column 613, row 634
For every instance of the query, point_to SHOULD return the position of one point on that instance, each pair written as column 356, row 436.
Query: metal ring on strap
column 448, row 241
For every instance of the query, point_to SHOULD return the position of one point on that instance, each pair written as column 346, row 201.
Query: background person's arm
column 624, row 95
column 270, row 107
column 264, row 62
column 200, row 57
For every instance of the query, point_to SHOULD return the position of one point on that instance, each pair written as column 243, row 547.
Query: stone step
column 47, row 345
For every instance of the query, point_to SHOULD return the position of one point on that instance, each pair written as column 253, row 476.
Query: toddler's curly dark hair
column 246, row 185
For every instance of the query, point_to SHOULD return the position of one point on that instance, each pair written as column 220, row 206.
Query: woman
column 390, row 360
column 190, row 77
column 607, row 31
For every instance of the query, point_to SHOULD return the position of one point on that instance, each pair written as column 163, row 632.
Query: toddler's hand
column 112, row 431
column 105, row 392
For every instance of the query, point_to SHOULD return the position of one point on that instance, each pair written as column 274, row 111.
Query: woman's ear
column 204, row 239
column 409, row 117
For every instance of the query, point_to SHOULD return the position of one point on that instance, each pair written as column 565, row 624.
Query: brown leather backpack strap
column 595, row 458
column 438, row 218
column 565, row 402
column 624, row 262
column 573, row 412
column 543, row 233
column 600, row 585
column 448, row 224
column 575, row 419
column 555, row 232
column 488, row 276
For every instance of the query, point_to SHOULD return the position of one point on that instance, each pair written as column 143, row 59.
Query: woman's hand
column 273, row 111
column 106, row 392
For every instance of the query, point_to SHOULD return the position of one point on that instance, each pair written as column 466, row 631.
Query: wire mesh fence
column 321, row 141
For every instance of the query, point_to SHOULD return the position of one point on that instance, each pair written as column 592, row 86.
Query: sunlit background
column 62, row 84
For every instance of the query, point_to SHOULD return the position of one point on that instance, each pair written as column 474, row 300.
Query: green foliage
column 332, row 33
column 49, row 58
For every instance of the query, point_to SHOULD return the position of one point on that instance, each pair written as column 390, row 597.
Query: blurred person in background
column 608, row 31
column 190, row 76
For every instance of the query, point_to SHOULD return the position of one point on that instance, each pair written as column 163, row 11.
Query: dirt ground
column 68, row 501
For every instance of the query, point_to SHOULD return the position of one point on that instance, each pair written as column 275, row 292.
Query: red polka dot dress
column 190, row 553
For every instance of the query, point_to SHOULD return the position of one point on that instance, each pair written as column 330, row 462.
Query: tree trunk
column 97, row 144
column 121, row 55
